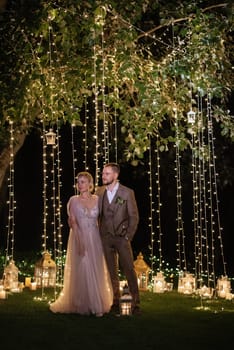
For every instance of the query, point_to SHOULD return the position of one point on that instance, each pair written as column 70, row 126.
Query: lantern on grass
column 45, row 271
column 159, row 283
column 125, row 302
column 10, row 277
column 206, row 292
column 223, row 287
column 142, row 272
column 50, row 137
column 187, row 283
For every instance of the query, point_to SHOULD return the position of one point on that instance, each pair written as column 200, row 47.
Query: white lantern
column 191, row 116
column 45, row 271
column 125, row 302
column 206, row 292
column 11, row 273
column 142, row 272
column 50, row 137
column 223, row 287
column 159, row 283
column 187, row 283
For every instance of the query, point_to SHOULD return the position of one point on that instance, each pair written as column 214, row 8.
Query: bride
column 87, row 287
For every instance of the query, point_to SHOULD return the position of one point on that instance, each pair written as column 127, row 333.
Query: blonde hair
column 88, row 176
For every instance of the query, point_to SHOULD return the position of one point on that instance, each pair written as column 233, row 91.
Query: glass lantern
column 142, row 272
column 187, row 283
column 159, row 283
column 50, row 137
column 10, row 279
column 45, row 271
column 191, row 116
column 125, row 302
column 223, row 287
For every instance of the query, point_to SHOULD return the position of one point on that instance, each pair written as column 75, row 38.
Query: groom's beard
column 107, row 183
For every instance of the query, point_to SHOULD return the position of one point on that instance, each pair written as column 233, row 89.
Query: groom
column 118, row 223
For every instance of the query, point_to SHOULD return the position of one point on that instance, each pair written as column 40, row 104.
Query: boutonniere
column 120, row 200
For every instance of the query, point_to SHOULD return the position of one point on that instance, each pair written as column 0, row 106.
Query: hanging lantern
column 187, row 283
column 223, row 287
column 142, row 271
column 50, row 137
column 45, row 271
column 191, row 116
column 10, row 278
column 125, row 302
column 159, row 283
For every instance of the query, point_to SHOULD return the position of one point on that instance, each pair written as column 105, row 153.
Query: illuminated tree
column 150, row 62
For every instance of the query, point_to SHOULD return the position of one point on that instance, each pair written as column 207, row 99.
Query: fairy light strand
column 58, row 246
column 215, row 225
column 96, row 93
column 44, row 193
column 85, row 133
column 116, row 127
column 74, row 158
column 11, row 202
column 152, row 233
column 159, row 205
column 182, row 262
column 105, row 133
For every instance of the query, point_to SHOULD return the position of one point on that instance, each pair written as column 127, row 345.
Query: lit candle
column 222, row 293
column 33, row 286
column 3, row 294
column 27, row 281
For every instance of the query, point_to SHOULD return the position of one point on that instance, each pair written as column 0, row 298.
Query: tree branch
column 172, row 21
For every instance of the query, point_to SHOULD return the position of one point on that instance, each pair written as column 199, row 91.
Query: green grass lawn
column 168, row 321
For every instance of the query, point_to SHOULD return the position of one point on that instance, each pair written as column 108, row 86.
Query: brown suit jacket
column 126, row 217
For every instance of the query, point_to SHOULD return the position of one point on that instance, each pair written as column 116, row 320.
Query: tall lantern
column 11, row 273
column 45, row 271
column 159, row 283
column 142, row 272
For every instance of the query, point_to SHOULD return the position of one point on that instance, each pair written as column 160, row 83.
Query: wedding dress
column 87, row 286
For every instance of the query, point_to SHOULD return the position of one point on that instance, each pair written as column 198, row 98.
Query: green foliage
column 63, row 53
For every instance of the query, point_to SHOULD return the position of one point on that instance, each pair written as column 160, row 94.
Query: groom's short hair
column 114, row 166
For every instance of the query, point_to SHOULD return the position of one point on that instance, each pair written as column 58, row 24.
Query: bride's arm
column 72, row 222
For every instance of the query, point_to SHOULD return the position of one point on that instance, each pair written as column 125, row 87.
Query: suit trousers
column 117, row 251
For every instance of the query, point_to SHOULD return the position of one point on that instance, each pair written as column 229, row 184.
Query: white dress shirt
column 111, row 194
